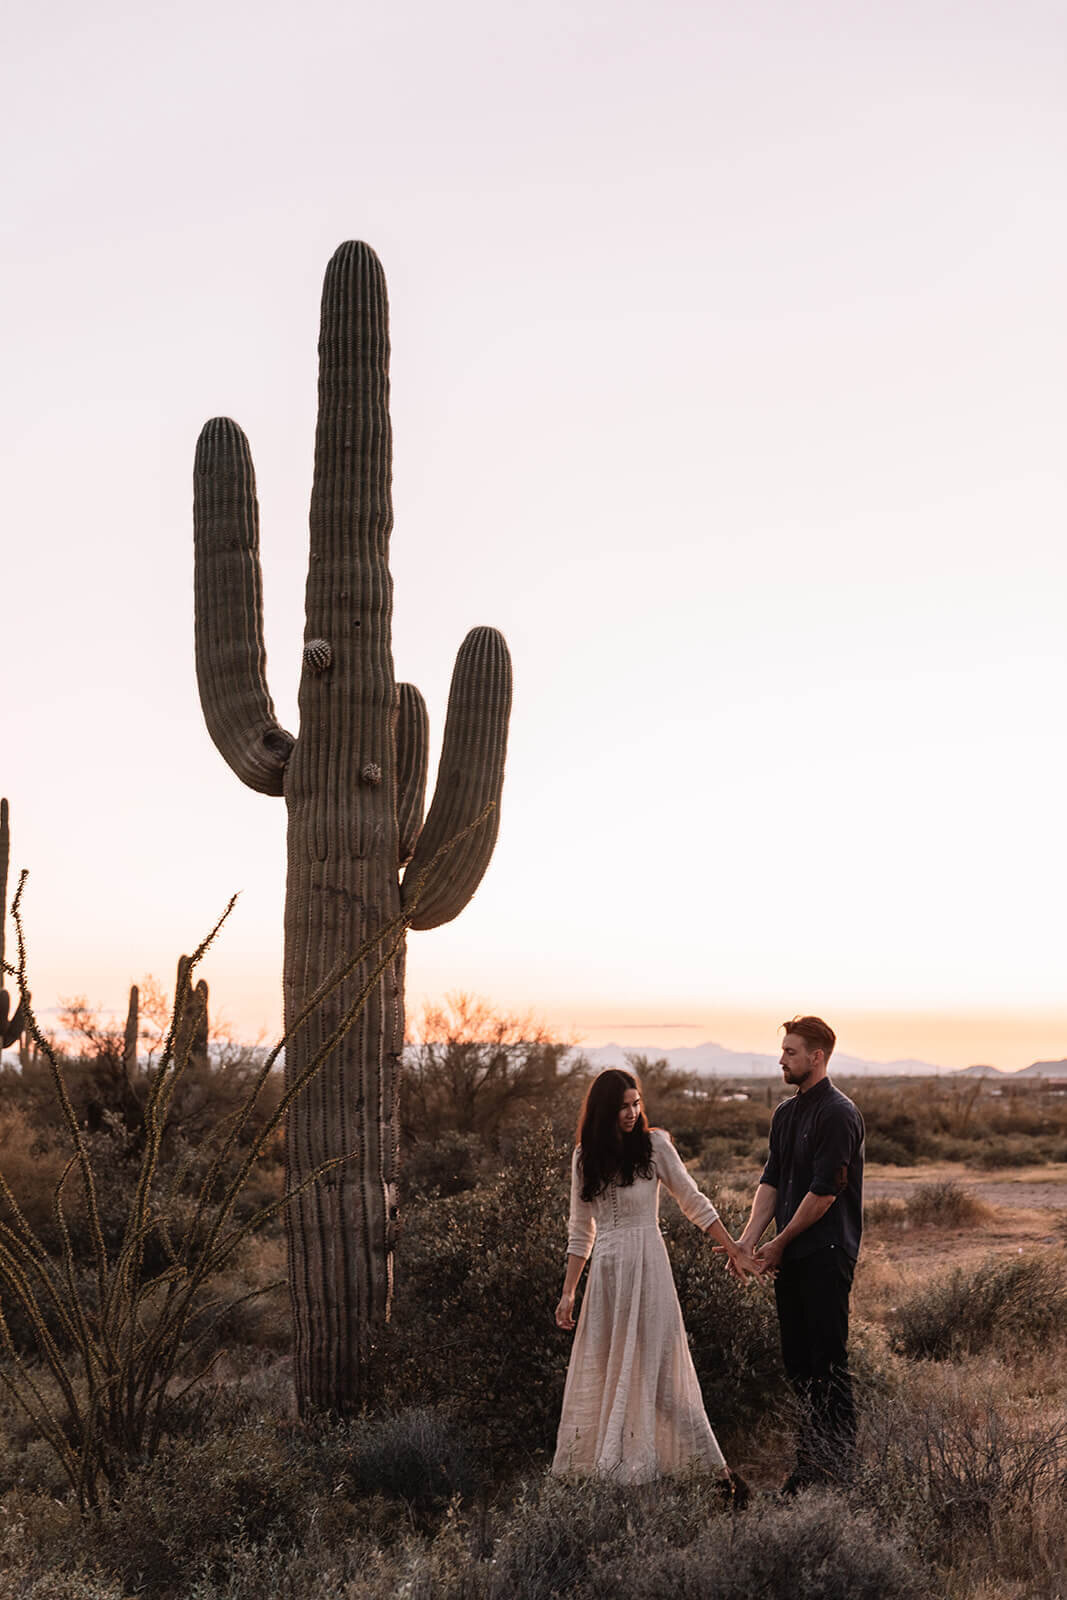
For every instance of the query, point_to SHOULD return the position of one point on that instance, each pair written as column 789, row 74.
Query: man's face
column 798, row 1062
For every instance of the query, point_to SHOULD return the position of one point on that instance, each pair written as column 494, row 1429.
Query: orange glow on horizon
column 1009, row 1038
column 1005, row 1039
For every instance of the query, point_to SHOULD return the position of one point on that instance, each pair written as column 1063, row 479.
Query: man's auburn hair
column 816, row 1034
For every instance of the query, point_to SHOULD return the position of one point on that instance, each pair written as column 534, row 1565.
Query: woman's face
column 629, row 1111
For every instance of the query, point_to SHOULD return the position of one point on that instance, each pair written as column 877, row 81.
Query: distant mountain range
column 715, row 1061
column 1039, row 1069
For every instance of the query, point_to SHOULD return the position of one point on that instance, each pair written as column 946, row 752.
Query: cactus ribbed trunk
column 340, row 787
column 354, row 782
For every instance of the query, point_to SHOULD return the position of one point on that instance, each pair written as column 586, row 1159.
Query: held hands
column 770, row 1255
column 743, row 1262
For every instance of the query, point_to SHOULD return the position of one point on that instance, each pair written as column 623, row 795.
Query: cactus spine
column 354, row 782
column 10, row 1026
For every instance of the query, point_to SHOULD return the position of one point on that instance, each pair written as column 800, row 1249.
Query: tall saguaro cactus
column 354, row 781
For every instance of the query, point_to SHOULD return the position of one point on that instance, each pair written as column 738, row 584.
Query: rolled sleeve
column 674, row 1175
column 772, row 1171
column 835, row 1146
column 581, row 1225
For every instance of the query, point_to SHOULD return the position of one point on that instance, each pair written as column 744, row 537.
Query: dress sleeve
column 673, row 1173
column 581, row 1227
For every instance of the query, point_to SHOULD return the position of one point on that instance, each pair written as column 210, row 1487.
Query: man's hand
column 770, row 1255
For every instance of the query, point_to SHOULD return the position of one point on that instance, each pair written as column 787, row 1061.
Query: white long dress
column 632, row 1407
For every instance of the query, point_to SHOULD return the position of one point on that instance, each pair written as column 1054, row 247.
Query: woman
column 632, row 1407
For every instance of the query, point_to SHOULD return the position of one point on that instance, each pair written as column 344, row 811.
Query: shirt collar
column 821, row 1088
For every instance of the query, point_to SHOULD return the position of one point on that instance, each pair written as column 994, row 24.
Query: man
column 812, row 1186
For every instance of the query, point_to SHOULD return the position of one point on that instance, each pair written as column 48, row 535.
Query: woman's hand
column 741, row 1262
column 565, row 1313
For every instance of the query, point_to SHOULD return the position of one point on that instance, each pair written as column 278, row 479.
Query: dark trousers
column 812, row 1298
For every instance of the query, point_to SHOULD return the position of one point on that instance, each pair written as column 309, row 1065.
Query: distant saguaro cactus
column 10, row 1026
column 190, row 1006
column 131, row 1034
column 354, row 781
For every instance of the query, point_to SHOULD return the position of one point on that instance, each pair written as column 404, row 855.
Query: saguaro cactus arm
column 470, row 775
column 230, row 655
column 412, row 759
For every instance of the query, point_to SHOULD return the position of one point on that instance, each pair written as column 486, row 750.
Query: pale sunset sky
column 729, row 381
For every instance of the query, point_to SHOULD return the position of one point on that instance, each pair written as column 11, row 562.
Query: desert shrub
column 1006, row 1150
column 944, row 1204
column 418, row 1456
column 884, row 1210
column 255, row 1483
column 32, row 1164
column 941, row 1204
column 181, row 1511
column 243, row 1504
column 672, row 1542
column 818, row 1549
column 716, row 1154
column 977, row 1492
column 441, row 1167
column 51, row 1585
column 559, row 1534
column 732, row 1328
column 1015, row 1301
column 965, row 1119
column 478, row 1277
column 889, row 1148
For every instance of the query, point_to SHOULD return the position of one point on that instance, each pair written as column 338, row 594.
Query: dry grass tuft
column 1012, row 1302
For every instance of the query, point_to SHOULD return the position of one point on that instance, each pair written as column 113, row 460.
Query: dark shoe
column 742, row 1494
column 734, row 1491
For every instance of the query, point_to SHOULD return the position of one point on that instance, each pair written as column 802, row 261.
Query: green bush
column 478, row 1277
column 1014, row 1301
column 441, row 1167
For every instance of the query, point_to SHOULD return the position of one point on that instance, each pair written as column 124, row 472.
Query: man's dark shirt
column 817, row 1148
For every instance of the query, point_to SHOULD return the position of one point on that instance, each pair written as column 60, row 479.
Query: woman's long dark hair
column 607, row 1155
